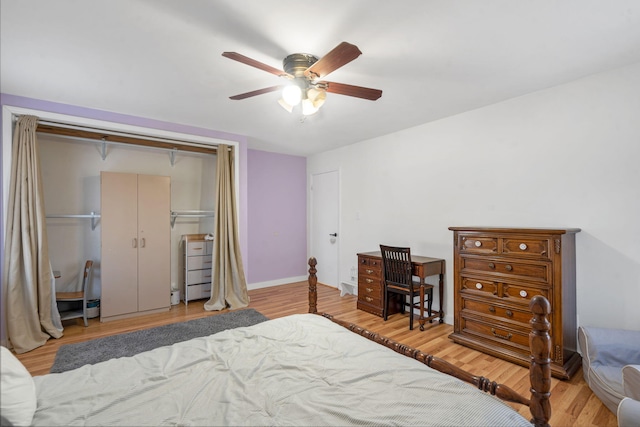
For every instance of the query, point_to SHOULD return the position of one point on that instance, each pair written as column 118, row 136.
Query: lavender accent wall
column 277, row 226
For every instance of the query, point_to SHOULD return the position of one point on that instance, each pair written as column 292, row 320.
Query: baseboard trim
column 270, row 283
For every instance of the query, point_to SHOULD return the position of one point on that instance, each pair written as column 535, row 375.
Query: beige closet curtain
column 27, row 271
column 229, row 287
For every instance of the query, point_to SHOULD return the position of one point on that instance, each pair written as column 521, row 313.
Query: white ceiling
column 161, row 59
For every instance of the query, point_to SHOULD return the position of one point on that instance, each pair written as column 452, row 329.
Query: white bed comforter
column 298, row 370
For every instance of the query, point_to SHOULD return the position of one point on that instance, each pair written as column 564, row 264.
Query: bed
column 304, row 369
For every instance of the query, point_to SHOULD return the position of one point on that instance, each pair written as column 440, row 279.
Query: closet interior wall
column 71, row 180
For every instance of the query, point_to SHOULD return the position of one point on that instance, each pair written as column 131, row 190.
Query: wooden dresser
column 496, row 273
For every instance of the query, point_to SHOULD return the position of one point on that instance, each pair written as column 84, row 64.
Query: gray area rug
column 72, row 356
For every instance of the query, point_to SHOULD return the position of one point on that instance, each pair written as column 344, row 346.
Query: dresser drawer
column 503, row 291
column 505, row 313
column 480, row 287
column 371, row 268
column 199, row 262
column 198, row 276
column 521, row 293
column 497, row 333
column 371, row 299
column 370, row 287
column 534, row 271
column 199, row 248
column 526, row 247
column 199, row 291
column 485, row 245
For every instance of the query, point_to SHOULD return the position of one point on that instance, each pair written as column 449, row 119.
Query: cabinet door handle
column 369, row 299
column 134, row 242
column 369, row 280
column 508, row 267
column 369, row 271
column 143, row 242
column 504, row 337
column 369, row 289
column 492, row 265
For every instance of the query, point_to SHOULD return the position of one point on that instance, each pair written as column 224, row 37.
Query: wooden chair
column 79, row 296
column 398, row 279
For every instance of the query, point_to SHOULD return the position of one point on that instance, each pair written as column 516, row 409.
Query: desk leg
column 440, row 296
column 421, row 319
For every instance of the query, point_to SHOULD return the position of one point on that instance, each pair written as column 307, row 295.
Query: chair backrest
column 396, row 266
column 86, row 277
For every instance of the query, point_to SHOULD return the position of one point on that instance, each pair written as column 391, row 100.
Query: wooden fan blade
column 255, row 92
column 339, row 56
column 350, row 90
column 257, row 64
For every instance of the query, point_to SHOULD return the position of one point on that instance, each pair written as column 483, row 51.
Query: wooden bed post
column 540, row 370
column 313, row 291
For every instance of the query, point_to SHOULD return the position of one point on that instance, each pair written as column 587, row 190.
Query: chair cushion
column 605, row 352
column 17, row 391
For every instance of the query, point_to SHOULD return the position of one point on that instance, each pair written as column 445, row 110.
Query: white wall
column 567, row 156
column 71, row 176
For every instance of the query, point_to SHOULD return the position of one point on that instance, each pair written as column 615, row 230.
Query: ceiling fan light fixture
column 308, row 108
column 313, row 100
column 284, row 105
column 292, row 94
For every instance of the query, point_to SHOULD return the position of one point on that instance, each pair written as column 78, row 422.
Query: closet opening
column 71, row 174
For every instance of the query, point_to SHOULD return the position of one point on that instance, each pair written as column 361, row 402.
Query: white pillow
column 18, row 391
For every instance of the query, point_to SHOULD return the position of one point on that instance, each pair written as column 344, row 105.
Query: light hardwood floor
column 572, row 402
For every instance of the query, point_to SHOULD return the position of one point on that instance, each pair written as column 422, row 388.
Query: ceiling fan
column 304, row 72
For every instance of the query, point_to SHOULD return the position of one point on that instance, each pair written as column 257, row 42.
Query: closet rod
column 190, row 214
column 92, row 215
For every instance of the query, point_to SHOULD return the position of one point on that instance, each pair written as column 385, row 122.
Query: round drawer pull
column 523, row 294
column 368, row 280
column 492, row 265
column 492, row 309
column 369, row 289
column 523, row 246
column 508, row 267
column 478, row 243
column 509, row 313
column 478, row 285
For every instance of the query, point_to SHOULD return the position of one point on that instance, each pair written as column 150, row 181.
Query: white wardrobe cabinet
column 198, row 263
column 136, row 244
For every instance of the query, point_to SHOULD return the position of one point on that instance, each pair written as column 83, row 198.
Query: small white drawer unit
column 198, row 264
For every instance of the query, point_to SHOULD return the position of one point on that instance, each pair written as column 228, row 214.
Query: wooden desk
column 371, row 288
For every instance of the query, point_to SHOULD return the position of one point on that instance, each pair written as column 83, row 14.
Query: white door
column 324, row 226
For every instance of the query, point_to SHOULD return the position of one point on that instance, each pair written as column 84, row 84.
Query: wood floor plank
column 572, row 402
